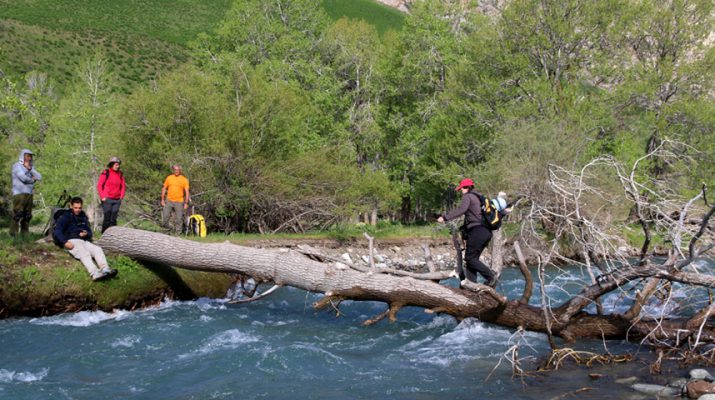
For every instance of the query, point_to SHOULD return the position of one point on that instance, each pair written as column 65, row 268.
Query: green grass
column 141, row 38
column 634, row 236
column 172, row 21
column 383, row 17
column 36, row 277
column 25, row 48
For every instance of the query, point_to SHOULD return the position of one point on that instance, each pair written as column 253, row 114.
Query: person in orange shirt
column 175, row 196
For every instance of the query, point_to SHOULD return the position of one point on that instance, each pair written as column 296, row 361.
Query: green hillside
column 173, row 21
column 141, row 38
column 382, row 16
column 133, row 58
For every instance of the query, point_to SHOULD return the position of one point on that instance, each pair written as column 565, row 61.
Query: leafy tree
column 286, row 30
column 430, row 44
column 82, row 136
column 248, row 146
column 668, row 75
column 25, row 110
column 354, row 50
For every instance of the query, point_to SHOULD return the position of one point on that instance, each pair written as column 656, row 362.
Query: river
column 280, row 348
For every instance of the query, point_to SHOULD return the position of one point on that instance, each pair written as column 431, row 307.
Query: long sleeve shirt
column 470, row 207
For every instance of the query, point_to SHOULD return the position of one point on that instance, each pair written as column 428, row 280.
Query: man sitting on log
column 73, row 233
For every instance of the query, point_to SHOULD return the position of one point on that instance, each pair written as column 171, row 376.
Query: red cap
column 465, row 183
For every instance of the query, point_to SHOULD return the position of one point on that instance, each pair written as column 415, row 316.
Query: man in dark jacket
column 477, row 235
column 73, row 233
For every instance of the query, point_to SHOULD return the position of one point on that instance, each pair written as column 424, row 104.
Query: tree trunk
column 291, row 268
column 496, row 247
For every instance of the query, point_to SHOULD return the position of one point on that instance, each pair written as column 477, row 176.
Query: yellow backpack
column 196, row 226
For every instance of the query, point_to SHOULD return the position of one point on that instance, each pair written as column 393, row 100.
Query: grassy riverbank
column 37, row 278
column 40, row 279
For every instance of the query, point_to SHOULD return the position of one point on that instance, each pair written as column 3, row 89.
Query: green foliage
column 81, row 137
column 25, row 110
column 288, row 117
column 285, row 30
column 429, row 45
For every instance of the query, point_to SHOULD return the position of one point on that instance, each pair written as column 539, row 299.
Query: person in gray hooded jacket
column 24, row 176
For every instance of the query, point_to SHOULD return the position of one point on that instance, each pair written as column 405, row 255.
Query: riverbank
column 39, row 279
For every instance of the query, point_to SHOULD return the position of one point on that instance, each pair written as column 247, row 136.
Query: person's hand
column 69, row 246
column 83, row 234
column 163, row 203
column 186, row 205
column 440, row 220
column 104, row 199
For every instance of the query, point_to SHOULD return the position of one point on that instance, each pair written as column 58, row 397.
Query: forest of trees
column 287, row 121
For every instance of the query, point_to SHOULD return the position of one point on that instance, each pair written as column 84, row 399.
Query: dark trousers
column 110, row 208
column 477, row 239
column 21, row 214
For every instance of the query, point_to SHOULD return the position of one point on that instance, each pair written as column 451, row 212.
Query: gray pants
column 85, row 251
column 178, row 208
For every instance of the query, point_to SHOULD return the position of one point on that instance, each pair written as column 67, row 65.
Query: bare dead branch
column 544, row 307
column 255, row 298
column 528, row 280
column 428, row 258
column 376, row 319
column 371, row 251
column 692, row 252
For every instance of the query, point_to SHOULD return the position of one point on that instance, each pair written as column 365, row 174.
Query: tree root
column 329, row 300
column 391, row 313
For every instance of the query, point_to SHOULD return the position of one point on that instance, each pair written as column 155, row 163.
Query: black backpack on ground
column 57, row 212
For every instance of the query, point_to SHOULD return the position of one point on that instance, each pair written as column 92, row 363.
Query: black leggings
column 478, row 238
column 110, row 207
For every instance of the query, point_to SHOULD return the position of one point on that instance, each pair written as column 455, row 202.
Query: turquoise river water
column 280, row 348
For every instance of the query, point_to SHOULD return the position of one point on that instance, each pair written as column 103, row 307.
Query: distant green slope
column 132, row 58
column 174, row 21
column 141, row 38
column 380, row 15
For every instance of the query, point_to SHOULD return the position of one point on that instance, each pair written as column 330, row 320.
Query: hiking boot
column 98, row 276
column 492, row 282
column 105, row 273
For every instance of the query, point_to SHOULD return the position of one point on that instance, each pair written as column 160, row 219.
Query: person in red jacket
column 111, row 188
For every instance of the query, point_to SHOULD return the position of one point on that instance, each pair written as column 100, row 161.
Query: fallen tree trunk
column 340, row 282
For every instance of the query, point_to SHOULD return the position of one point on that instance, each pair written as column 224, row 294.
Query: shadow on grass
column 176, row 283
